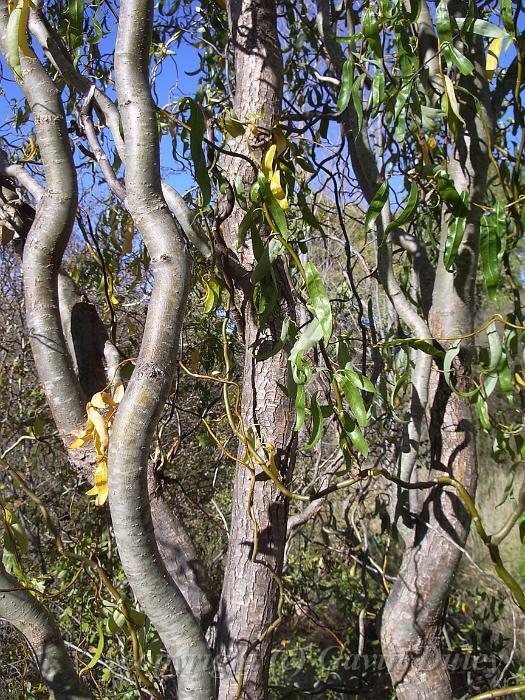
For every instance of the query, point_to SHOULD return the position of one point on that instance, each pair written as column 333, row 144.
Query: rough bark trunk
column 250, row 593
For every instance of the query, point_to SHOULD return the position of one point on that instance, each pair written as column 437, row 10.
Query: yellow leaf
column 493, row 55
column 99, row 424
column 100, row 488
column 82, row 437
column 118, row 391
column 267, row 167
column 519, row 379
column 280, row 140
column 275, row 185
column 101, row 400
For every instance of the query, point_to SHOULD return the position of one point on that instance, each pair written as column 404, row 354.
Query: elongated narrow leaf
column 317, row 424
column 455, row 233
column 406, row 214
column 481, row 27
column 353, row 432
column 354, row 398
column 356, row 100
column 305, row 342
column 493, row 236
column 506, row 16
column 359, row 380
column 271, row 252
column 299, row 407
column 400, row 112
column 495, row 347
column 455, row 57
column 319, row 303
column 452, row 105
column 196, row 123
column 376, row 205
column 370, row 28
column 345, row 91
column 493, row 55
column 456, row 202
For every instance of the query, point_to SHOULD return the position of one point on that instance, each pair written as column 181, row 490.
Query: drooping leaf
column 196, row 123
column 347, row 80
column 317, row 424
column 455, row 57
column 493, row 54
column 493, row 238
column 455, row 233
column 354, row 398
column 319, row 303
column 376, row 205
column 406, row 214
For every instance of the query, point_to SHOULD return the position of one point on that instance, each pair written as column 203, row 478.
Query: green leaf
column 299, row 407
column 493, row 239
column 399, row 111
column 378, row 91
column 450, row 355
column 495, row 347
column 98, row 652
column 345, row 91
column 354, row 433
column 317, row 423
column 319, row 302
column 233, row 126
column 75, row 15
column 271, row 251
column 406, row 214
column 356, row 100
column 443, row 21
column 354, row 398
column 196, row 123
column 483, row 413
column 455, row 233
column 480, row 27
column 305, row 342
column 507, row 16
column 452, row 55
column 376, row 205
column 359, row 380
column 457, row 203
column 370, row 29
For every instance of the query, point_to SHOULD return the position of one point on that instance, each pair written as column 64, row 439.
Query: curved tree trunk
column 148, row 388
column 413, row 614
column 21, row 609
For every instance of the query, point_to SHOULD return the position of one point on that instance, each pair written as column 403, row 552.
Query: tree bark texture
column 413, row 614
column 249, row 600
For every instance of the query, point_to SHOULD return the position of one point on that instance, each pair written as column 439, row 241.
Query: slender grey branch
column 148, row 388
column 115, row 185
column 19, row 173
column 58, row 54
